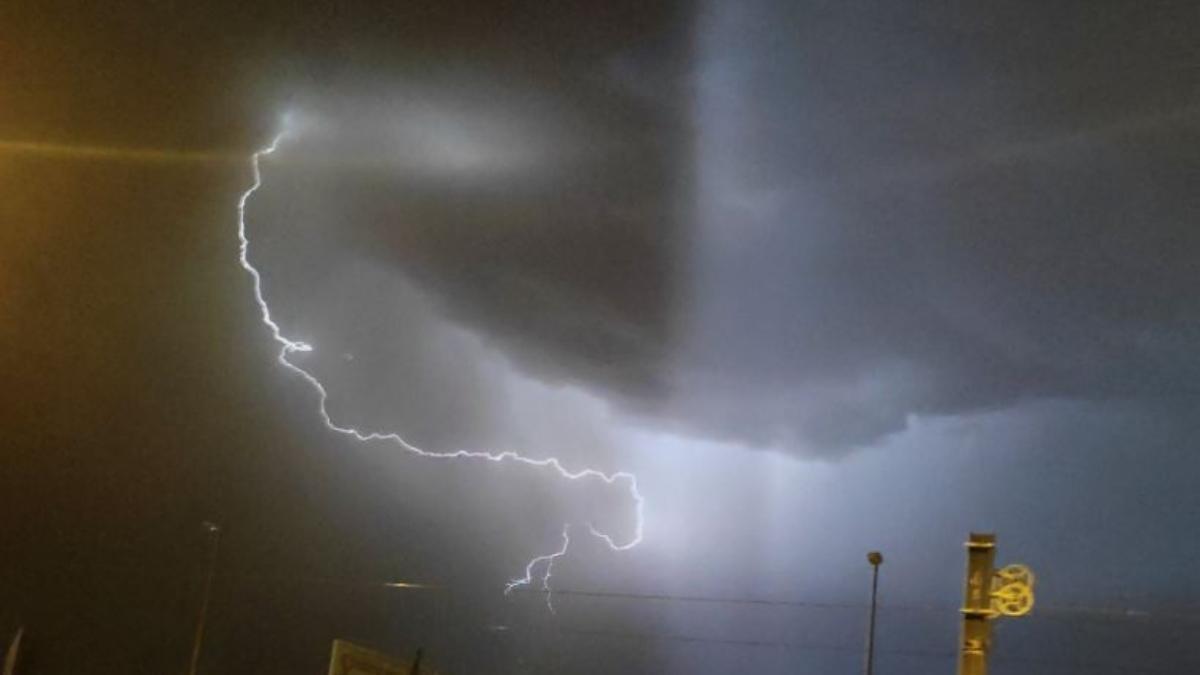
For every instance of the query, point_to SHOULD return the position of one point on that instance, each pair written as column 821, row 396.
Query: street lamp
column 214, row 538
column 876, row 559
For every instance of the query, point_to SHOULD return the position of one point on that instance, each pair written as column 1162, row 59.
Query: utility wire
column 1074, row 666
column 794, row 646
column 1052, row 612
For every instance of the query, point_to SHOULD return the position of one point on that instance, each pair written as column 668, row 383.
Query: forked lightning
column 289, row 346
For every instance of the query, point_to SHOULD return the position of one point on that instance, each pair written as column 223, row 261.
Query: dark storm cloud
column 905, row 210
column 930, row 214
column 538, row 191
column 836, row 219
column 143, row 397
column 792, row 224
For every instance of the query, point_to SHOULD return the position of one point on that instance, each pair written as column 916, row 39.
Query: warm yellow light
column 68, row 151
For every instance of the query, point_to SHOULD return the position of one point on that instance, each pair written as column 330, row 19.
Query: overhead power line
column 1070, row 666
column 1053, row 612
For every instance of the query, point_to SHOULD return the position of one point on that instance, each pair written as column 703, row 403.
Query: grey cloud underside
column 927, row 215
column 831, row 221
column 538, row 202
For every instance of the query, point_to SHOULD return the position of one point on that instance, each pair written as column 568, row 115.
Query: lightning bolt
column 548, row 559
column 288, row 346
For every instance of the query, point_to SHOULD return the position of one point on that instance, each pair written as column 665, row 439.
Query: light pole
column 214, row 535
column 876, row 559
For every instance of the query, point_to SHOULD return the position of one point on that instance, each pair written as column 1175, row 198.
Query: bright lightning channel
column 548, row 570
column 289, row 346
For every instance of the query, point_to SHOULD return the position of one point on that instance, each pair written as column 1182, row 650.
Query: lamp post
column 876, row 559
column 214, row 536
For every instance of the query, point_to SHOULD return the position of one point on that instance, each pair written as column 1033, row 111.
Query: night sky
column 827, row 277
